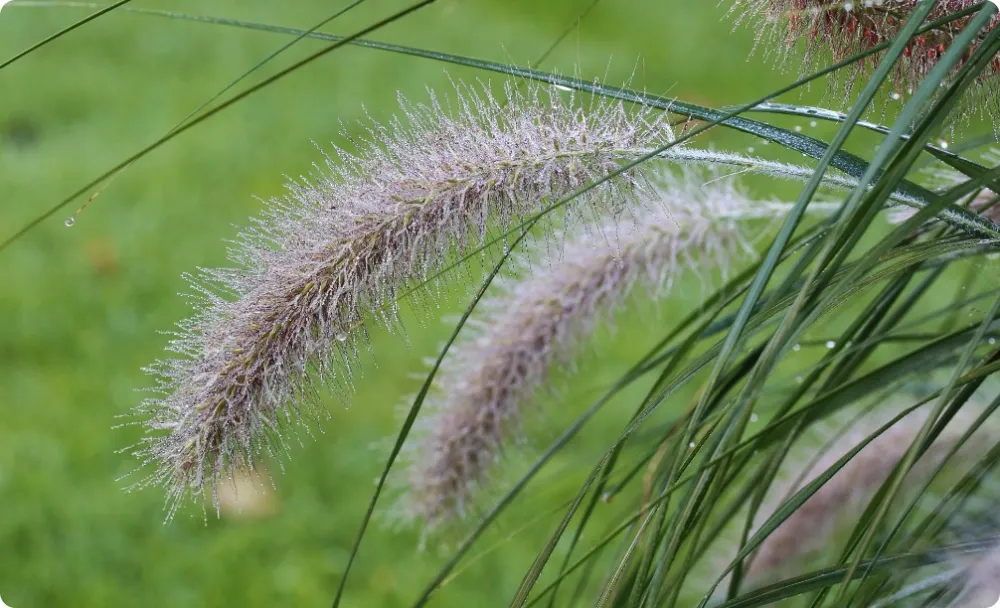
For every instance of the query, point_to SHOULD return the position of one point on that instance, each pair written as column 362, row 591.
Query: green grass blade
column 212, row 112
column 103, row 11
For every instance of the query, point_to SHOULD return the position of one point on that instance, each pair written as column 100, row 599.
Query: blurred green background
column 81, row 307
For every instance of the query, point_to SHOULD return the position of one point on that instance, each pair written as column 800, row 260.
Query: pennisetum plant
column 449, row 177
column 821, row 313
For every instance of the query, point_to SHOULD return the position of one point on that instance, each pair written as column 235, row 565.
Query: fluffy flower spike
column 491, row 377
column 845, row 28
column 809, row 531
column 337, row 251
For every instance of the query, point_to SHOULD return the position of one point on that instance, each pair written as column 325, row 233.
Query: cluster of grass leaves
column 83, row 305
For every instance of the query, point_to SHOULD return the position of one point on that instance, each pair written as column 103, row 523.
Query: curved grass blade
column 873, row 323
column 691, row 501
column 923, row 360
column 226, row 89
column 850, row 163
column 732, row 338
column 791, row 505
column 103, row 11
column 949, row 157
column 851, row 235
column 927, row 358
column 645, row 365
column 924, row 438
column 530, row 223
column 215, row 110
column 931, row 354
column 566, row 32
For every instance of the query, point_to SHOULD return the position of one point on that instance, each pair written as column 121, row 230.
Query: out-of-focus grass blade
column 103, row 11
column 232, row 84
column 212, row 112
column 791, row 505
column 566, row 32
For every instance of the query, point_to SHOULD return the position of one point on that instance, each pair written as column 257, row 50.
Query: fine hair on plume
column 492, row 375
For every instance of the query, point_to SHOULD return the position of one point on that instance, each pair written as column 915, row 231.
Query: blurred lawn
column 81, row 307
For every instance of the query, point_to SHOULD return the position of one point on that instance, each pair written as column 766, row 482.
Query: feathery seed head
column 337, row 251
column 977, row 582
column 488, row 379
column 845, row 28
column 809, row 529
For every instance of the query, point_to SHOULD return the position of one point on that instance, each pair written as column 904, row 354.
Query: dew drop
column 813, row 123
column 753, row 418
column 992, row 340
column 691, row 445
column 798, row 128
column 341, row 337
column 797, row 347
column 69, row 222
column 830, row 344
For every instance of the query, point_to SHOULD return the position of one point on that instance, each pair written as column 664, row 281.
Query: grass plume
column 538, row 321
column 319, row 264
column 842, row 28
column 809, row 531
